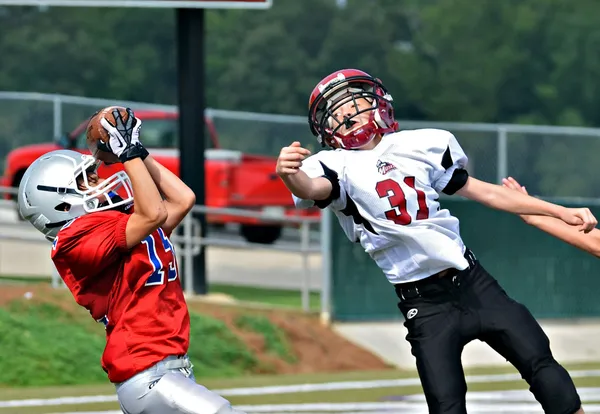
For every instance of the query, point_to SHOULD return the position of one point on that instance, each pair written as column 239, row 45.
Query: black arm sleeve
column 335, row 184
column 458, row 181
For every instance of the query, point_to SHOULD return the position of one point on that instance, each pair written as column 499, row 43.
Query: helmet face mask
column 373, row 111
column 55, row 189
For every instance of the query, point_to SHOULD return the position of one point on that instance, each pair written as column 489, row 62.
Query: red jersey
column 136, row 293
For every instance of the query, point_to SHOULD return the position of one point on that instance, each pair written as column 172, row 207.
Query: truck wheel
column 260, row 233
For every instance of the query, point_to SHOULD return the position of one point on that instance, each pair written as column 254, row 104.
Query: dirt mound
column 317, row 347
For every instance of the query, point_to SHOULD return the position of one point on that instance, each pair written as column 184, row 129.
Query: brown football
column 96, row 133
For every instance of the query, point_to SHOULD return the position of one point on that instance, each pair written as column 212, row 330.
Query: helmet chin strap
column 114, row 197
column 367, row 133
column 362, row 135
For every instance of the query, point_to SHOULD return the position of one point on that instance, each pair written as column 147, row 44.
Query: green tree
column 523, row 61
column 96, row 52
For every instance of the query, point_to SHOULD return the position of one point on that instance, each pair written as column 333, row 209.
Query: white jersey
column 389, row 201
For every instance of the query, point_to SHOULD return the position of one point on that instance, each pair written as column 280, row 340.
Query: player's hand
column 513, row 184
column 581, row 217
column 124, row 136
column 290, row 159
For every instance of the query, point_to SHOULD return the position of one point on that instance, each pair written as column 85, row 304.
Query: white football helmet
column 49, row 196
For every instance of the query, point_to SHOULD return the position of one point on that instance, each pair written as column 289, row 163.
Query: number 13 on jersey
column 158, row 275
column 392, row 190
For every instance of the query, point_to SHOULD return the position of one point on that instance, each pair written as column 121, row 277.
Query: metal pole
column 304, row 245
column 326, row 266
column 57, row 116
column 190, row 67
column 56, row 279
column 502, row 154
column 188, row 253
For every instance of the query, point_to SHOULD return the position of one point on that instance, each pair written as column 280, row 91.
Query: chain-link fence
column 550, row 161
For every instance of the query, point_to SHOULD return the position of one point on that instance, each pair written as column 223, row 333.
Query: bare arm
column 589, row 242
column 150, row 212
column 178, row 197
column 296, row 180
column 502, row 198
column 302, row 186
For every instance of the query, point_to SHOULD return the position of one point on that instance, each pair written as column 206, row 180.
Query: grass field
column 42, row 323
column 276, row 297
column 361, row 394
column 271, row 297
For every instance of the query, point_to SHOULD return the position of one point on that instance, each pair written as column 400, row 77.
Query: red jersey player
column 588, row 242
column 119, row 263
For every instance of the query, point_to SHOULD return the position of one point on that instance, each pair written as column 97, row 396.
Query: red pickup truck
column 233, row 179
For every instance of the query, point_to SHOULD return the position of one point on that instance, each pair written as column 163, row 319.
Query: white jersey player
column 384, row 186
column 389, row 200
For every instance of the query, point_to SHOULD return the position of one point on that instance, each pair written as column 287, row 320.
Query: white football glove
column 124, row 137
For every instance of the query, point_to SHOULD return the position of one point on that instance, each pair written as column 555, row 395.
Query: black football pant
column 443, row 314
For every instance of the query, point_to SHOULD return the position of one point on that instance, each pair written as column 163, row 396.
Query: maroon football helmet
column 336, row 90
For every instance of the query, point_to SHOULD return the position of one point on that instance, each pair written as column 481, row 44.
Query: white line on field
column 353, row 385
column 413, row 408
column 95, row 412
column 285, row 389
column 381, row 408
column 514, row 396
column 40, row 402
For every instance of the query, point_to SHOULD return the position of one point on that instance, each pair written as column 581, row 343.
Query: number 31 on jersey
column 391, row 190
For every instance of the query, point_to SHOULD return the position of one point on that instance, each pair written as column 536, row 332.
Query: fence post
column 326, row 234
column 56, row 279
column 57, row 116
column 188, row 254
column 502, row 154
column 304, row 245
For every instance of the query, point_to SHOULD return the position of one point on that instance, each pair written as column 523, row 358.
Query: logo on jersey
column 384, row 167
column 411, row 313
column 103, row 320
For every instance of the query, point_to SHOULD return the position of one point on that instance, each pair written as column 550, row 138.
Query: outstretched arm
column 502, row 198
column 569, row 234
